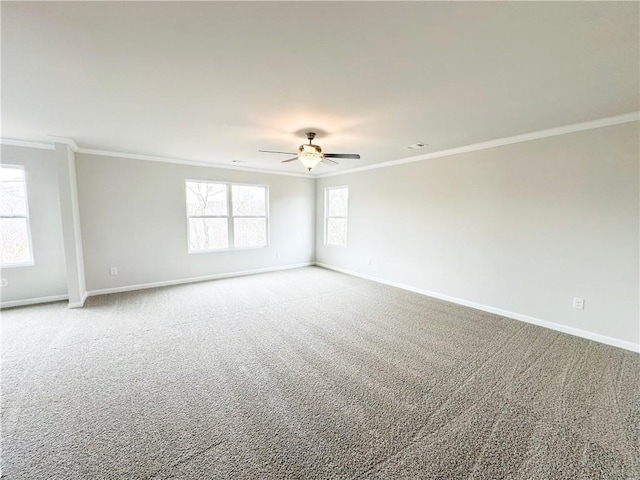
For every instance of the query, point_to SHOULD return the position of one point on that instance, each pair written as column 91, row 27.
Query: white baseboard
column 634, row 347
column 79, row 304
column 143, row 286
column 33, row 301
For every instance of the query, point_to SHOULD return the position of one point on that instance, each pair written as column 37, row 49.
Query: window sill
column 18, row 265
column 220, row 250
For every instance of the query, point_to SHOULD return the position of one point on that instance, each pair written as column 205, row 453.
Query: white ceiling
column 216, row 81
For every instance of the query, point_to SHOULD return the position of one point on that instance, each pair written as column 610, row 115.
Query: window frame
column 229, row 216
column 327, row 216
column 26, row 216
column 232, row 216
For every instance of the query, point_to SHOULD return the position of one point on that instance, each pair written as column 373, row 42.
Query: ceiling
column 216, row 81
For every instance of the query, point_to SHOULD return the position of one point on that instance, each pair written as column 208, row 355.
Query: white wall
column 133, row 217
column 47, row 276
column 522, row 228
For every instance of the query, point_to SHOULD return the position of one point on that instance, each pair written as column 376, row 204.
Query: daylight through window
column 14, row 217
column 336, row 200
column 222, row 215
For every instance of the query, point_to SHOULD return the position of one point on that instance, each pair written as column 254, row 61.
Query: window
column 15, row 237
column 336, row 200
column 249, row 209
column 223, row 215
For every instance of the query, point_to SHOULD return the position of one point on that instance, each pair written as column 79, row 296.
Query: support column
column 68, row 190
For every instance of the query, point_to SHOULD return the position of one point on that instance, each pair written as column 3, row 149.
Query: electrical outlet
column 113, row 271
column 277, row 254
column 368, row 261
column 4, row 282
column 578, row 303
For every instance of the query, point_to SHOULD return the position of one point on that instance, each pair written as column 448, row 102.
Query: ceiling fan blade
column 290, row 160
column 342, row 155
column 271, row 151
column 329, row 161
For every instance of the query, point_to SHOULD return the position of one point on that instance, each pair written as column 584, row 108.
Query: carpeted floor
column 307, row 374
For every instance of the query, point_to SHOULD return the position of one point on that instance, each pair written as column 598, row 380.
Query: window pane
column 338, row 198
column 208, row 233
column 250, row 232
column 248, row 201
column 337, row 231
column 12, row 192
column 206, row 199
column 14, row 239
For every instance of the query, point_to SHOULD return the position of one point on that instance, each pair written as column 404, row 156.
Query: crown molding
column 196, row 163
column 136, row 156
column 27, row 144
column 66, row 140
column 551, row 132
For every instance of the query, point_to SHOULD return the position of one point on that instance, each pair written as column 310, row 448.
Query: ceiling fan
column 310, row 155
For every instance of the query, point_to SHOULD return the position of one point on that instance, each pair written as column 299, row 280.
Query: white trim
column 18, row 265
column 136, row 156
column 79, row 304
column 596, row 337
column 144, row 286
column 27, row 144
column 576, row 127
column 70, row 142
column 197, row 163
column 551, row 132
column 33, row 301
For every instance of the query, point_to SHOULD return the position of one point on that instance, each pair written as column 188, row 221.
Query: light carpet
column 307, row 374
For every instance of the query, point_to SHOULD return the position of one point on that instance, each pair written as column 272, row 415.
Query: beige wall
column 133, row 217
column 522, row 228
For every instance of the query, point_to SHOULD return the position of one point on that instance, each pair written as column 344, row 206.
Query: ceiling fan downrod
column 311, row 136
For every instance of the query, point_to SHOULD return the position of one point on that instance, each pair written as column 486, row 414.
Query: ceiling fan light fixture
column 310, row 160
column 310, row 155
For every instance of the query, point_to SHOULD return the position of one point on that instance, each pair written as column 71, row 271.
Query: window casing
column 15, row 228
column 336, row 208
column 223, row 216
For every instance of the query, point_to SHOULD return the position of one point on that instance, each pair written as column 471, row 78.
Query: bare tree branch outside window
column 336, row 209
column 14, row 217
column 224, row 216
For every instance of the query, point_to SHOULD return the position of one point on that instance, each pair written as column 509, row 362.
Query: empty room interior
column 320, row 240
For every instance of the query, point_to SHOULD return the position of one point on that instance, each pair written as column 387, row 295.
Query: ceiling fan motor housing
column 309, row 149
